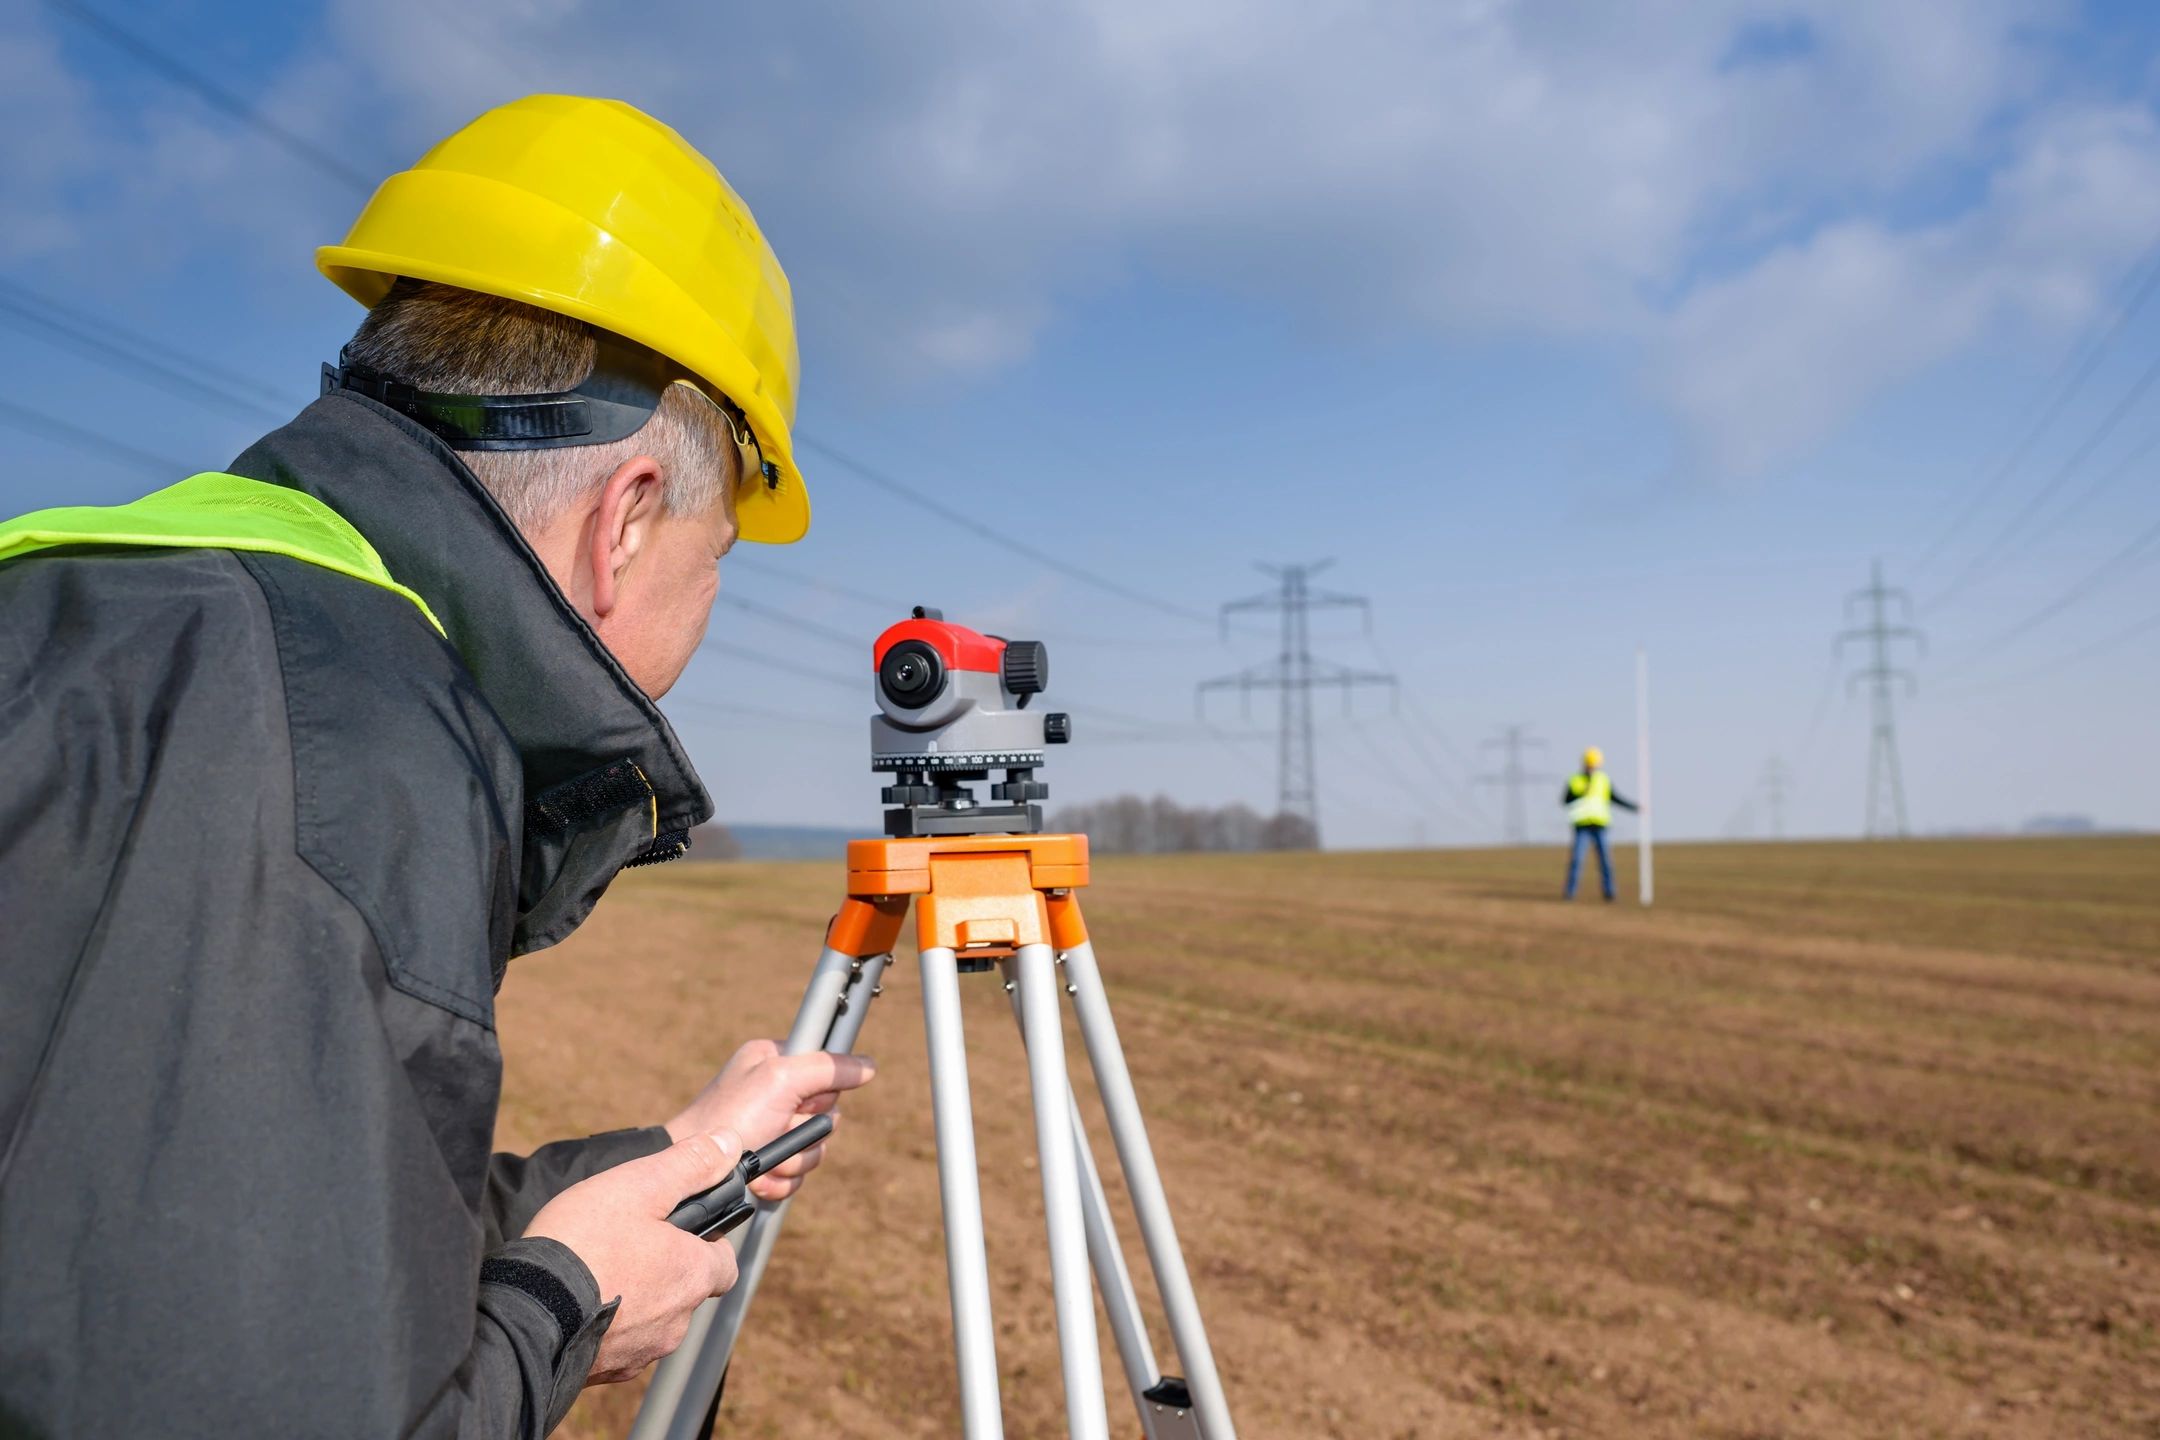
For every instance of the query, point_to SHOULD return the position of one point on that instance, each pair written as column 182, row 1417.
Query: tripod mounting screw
column 1057, row 728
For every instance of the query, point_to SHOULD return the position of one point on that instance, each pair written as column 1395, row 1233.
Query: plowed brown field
column 1852, row 1140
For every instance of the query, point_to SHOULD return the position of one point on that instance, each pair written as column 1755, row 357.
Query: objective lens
column 912, row 674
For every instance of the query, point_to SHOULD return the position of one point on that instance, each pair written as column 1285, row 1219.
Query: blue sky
column 1562, row 329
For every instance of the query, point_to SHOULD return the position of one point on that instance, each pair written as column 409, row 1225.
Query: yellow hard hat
column 1592, row 758
column 595, row 210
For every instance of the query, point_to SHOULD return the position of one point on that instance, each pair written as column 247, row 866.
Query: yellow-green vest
column 1590, row 799
column 214, row 511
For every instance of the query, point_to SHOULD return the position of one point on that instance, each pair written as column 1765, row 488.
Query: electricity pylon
column 1886, row 782
column 1514, row 739
column 1775, row 777
column 1294, row 673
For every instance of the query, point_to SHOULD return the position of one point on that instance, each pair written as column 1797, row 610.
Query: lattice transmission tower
column 1294, row 674
column 1776, row 776
column 1513, row 741
column 1886, row 780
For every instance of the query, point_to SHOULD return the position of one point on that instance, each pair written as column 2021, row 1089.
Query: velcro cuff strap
column 543, row 1285
column 573, row 803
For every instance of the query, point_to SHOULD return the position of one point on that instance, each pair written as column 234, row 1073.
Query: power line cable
column 2070, row 376
column 757, row 712
column 114, row 357
column 2148, row 625
column 1393, row 771
column 1139, row 728
column 773, row 662
column 60, row 431
column 1458, row 783
column 1004, row 539
column 2100, row 483
column 2091, row 580
column 144, row 358
column 157, row 57
column 1979, row 563
column 813, row 582
column 857, row 644
column 69, row 434
column 1385, row 805
column 145, row 350
column 1824, row 696
column 891, row 606
column 161, row 60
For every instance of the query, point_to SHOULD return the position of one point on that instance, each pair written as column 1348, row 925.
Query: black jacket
column 266, row 845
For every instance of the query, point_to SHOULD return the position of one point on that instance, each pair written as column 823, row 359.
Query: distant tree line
column 1134, row 825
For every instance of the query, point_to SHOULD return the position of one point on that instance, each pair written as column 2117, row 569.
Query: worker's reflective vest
column 1590, row 799
column 214, row 511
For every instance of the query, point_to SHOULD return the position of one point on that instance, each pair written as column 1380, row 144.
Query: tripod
column 1008, row 902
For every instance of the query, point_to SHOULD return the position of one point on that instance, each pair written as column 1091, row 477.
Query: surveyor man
column 1589, row 798
column 294, row 759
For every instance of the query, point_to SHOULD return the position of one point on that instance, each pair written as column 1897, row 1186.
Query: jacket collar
column 573, row 714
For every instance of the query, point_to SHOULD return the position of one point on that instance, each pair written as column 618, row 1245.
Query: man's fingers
column 697, row 1162
column 752, row 1051
column 771, row 1188
column 721, row 1256
column 817, row 1105
column 823, row 1070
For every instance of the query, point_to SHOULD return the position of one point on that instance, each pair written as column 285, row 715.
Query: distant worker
column 297, row 758
column 1589, row 798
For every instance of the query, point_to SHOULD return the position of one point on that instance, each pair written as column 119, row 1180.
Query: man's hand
column 616, row 1222
column 760, row 1094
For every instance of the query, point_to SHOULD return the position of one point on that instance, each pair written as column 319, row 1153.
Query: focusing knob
column 1057, row 729
column 1027, row 667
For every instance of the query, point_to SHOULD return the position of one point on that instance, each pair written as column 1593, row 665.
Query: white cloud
column 1760, row 364
column 945, row 178
column 45, row 137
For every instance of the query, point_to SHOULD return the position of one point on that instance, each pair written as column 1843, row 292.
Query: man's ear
column 622, row 524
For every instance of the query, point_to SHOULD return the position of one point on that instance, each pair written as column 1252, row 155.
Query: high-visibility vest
column 1590, row 801
column 214, row 511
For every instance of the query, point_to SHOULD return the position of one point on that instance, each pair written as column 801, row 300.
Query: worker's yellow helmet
column 595, row 210
column 1592, row 758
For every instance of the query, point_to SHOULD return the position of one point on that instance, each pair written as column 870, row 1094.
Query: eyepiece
column 911, row 675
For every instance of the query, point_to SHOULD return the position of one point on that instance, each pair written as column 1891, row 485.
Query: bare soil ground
column 1852, row 1140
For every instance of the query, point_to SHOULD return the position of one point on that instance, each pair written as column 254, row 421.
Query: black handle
column 725, row 1206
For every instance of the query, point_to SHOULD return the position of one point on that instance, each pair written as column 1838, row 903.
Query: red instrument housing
column 959, row 647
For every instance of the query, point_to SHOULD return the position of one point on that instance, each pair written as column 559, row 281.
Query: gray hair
column 437, row 337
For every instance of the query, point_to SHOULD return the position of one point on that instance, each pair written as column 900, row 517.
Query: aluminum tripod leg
column 1043, row 1029
column 967, row 1265
column 1150, row 1204
column 833, row 1009
column 1127, row 1325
